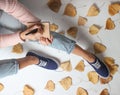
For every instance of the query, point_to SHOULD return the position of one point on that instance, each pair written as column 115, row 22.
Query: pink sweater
column 20, row 12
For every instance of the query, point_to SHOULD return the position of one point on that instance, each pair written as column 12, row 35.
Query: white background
column 37, row 77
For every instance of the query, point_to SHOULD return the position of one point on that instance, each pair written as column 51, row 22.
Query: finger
column 50, row 39
column 44, row 41
column 47, row 42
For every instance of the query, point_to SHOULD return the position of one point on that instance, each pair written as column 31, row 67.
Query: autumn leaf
column 93, row 77
column 54, row 5
column 93, row 11
column 110, row 24
column 50, row 85
column 94, row 29
column 72, row 31
column 70, row 10
column 82, row 20
column 99, row 47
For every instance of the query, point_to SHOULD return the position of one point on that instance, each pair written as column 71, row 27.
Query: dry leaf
column 109, row 61
column 54, row 5
column 114, row 69
column 106, row 81
column 93, row 77
column 94, row 29
column 93, row 11
column 50, row 85
column 72, row 31
column 18, row 48
column 109, row 24
column 53, row 27
column 70, row 10
column 28, row 90
column 1, row 86
column 81, row 91
column 99, row 48
column 104, row 92
column 66, row 82
column 111, row 64
column 66, row 66
column 82, row 20
column 80, row 66
column 114, row 9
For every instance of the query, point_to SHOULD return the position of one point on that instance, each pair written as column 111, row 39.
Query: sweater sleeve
column 9, row 39
column 18, row 10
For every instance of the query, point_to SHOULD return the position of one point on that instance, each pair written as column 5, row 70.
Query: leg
column 63, row 43
column 26, row 61
column 83, row 53
column 12, row 66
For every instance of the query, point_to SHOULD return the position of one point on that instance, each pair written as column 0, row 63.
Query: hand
column 46, row 41
column 31, row 36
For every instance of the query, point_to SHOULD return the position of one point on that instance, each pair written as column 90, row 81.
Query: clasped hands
column 37, row 36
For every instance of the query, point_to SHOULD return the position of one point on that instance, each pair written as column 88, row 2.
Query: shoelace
column 43, row 63
column 96, row 65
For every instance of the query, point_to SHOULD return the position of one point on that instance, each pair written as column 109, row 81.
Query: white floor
column 37, row 77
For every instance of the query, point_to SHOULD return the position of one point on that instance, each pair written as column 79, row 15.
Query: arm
column 20, row 12
column 9, row 39
column 17, row 10
column 19, row 37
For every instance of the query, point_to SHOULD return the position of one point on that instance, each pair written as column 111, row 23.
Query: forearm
column 18, row 10
column 9, row 39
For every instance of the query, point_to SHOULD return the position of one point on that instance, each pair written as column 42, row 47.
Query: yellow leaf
column 72, row 31
column 80, row 66
column 82, row 20
column 93, row 77
column 50, row 85
column 66, row 82
column 104, row 92
column 53, row 27
column 70, row 10
column 54, row 5
column 94, row 29
column 114, row 8
column 109, row 24
column 66, row 66
column 99, row 48
column 28, row 90
column 81, row 91
column 1, row 86
column 93, row 11
column 18, row 48
column 110, row 62
column 106, row 81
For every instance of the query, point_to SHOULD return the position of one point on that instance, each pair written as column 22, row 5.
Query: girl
column 21, row 13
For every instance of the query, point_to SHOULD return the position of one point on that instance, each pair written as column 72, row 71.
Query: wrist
column 22, row 37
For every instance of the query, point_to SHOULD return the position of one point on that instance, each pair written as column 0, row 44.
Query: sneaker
column 100, row 68
column 44, row 61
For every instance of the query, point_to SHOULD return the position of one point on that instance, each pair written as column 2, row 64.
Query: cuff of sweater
column 17, row 37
